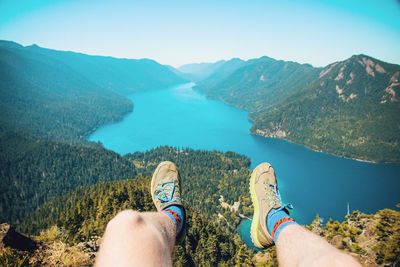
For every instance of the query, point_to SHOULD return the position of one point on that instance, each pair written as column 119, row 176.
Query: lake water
column 313, row 182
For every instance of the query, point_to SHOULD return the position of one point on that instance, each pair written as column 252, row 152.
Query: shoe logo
column 165, row 191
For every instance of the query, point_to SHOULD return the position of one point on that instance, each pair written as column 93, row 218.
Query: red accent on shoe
column 279, row 223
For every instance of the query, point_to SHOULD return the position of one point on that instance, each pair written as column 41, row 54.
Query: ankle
column 277, row 220
column 177, row 214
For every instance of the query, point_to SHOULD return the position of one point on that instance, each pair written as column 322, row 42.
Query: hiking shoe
column 166, row 191
column 265, row 197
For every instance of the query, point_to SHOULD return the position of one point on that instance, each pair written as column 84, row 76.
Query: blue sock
column 278, row 219
column 176, row 213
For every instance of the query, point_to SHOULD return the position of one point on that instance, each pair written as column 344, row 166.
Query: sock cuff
column 174, row 217
column 280, row 224
column 278, row 219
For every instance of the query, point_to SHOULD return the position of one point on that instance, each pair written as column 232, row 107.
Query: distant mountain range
column 66, row 95
column 199, row 71
column 256, row 83
column 349, row 108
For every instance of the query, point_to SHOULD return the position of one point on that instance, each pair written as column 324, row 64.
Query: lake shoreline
column 293, row 142
column 322, row 151
column 123, row 116
column 87, row 135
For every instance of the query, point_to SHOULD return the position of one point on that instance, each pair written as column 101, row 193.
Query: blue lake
column 313, row 182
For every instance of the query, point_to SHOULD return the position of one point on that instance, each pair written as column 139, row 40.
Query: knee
column 126, row 219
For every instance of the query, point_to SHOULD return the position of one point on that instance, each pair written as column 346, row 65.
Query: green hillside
column 348, row 108
column 209, row 86
column 34, row 170
column 64, row 95
column 351, row 110
column 257, row 83
column 45, row 98
column 123, row 76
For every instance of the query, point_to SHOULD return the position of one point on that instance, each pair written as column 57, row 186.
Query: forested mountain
column 64, row 95
column 347, row 108
column 45, row 98
column 199, row 71
column 121, row 75
column 351, row 110
column 257, row 83
column 51, row 99
column 209, row 84
column 34, row 170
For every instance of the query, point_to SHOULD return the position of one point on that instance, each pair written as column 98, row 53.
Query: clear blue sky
column 178, row 32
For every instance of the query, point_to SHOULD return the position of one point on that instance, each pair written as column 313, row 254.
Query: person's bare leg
column 138, row 239
column 296, row 246
column 147, row 238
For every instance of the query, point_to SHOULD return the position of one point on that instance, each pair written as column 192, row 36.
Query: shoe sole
column 255, row 224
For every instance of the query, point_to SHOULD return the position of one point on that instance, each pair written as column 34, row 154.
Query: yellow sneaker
column 166, row 191
column 265, row 196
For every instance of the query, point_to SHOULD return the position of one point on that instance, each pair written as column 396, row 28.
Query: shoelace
column 277, row 197
column 165, row 191
column 275, row 192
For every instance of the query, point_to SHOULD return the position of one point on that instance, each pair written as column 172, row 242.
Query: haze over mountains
column 199, row 71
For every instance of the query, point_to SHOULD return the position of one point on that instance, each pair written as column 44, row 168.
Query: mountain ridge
column 66, row 95
column 346, row 108
column 266, row 87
